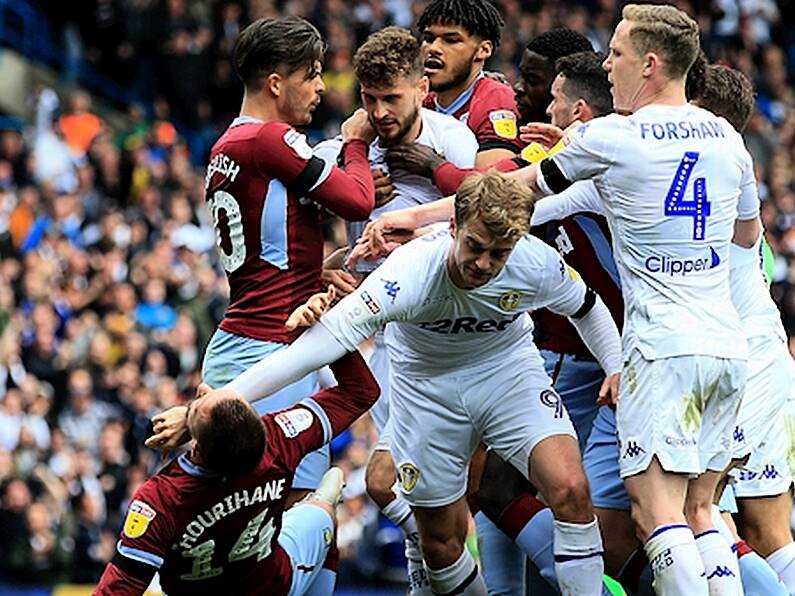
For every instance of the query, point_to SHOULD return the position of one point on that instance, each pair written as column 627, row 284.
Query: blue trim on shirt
column 245, row 120
column 460, row 101
column 318, row 411
column 273, row 227
column 139, row 555
column 193, row 469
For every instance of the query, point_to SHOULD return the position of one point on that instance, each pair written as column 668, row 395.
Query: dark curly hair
column 557, row 43
column 477, row 17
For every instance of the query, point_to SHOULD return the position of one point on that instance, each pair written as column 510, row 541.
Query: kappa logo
column 392, row 288
column 721, row 572
column 139, row 516
column 504, row 123
column 633, row 450
column 409, row 476
column 510, row 300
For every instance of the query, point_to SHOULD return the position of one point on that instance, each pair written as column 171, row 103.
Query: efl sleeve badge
column 504, row 123
column 139, row 516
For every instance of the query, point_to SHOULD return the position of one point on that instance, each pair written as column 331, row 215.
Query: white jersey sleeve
column 563, row 291
column 460, row 146
column 748, row 204
column 580, row 197
column 591, row 150
column 392, row 292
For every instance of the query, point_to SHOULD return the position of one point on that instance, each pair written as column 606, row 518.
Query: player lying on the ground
column 213, row 521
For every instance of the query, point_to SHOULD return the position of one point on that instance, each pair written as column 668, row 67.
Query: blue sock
column 501, row 562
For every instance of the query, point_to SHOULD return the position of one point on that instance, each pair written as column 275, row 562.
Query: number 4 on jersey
column 699, row 207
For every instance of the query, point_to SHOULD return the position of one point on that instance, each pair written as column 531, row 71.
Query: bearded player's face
column 394, row 109
column 450, row 53
column 302, row 91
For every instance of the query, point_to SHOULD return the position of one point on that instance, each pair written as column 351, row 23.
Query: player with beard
column 389, row 69
column 458, row 37
column 532, row 93
column 263, row 188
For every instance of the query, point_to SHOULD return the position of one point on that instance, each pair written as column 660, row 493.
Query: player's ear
column 484, row 51
column 651, row 62
column 581, row 111
column 274, row 84
column 423, row 86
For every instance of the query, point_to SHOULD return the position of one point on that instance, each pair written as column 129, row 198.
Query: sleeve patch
column 504, row 123
column 294, row 422
column 139, row 516
column 297, row 142
column 534, row 153
column 573, row 274
column 363, row 309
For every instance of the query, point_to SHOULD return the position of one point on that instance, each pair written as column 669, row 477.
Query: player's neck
column 664, row 93
column 448, row 96
column 254, row 107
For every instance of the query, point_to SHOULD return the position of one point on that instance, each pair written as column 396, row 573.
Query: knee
column 440, row 551
column 380, row 477
column 570, row 499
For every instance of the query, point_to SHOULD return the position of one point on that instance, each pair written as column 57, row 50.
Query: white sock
column 783, row 562
column 400, row 514
column 578, row 558
column 462, row 577
column 675, row 562
column 721, row 526
column 720, row 563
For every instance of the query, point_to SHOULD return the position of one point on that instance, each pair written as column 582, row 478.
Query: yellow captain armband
column 534, row 153
column 559, row 146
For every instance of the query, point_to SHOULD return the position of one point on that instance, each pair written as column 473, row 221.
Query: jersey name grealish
column 671, row 178
column 439, row 327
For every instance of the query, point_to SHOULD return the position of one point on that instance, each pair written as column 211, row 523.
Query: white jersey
column 670, row 178
column 758, row 312
column 450, row 138
column 439, row 327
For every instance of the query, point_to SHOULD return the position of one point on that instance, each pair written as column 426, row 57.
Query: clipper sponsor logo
column 679, row 442
column 681, row 267
column 467, row 325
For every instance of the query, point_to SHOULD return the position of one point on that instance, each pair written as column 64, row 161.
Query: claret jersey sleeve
column 349, row 193
column 318, row 419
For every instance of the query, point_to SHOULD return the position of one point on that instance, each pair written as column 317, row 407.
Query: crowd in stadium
column 110, row 280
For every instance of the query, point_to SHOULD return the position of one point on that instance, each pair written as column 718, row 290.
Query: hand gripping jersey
column 268, row 231
column 440, row 327
column 207, row 534
column 488, row 107
column 447, row 136
column 670, row 177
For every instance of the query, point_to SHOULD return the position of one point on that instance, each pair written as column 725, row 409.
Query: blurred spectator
column 79, row 125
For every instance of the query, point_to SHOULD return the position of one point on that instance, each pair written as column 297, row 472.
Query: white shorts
column 771, row 468
column 438, row 422
column 682, row 409
column 767, row 390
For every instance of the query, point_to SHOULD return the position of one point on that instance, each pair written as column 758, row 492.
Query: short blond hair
column 666, row 31
column 503, row 205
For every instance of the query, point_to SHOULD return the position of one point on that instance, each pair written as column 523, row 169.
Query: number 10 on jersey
column 698, row 207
